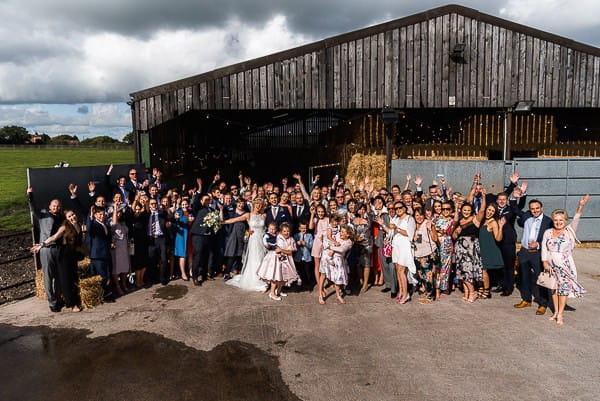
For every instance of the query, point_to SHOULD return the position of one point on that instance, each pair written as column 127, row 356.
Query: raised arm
column 481, row 214
column 302, row 187
column 30, row 202
column 582, row 202
column 115, row 217
column 407, row 185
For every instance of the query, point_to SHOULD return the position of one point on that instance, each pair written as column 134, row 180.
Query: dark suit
column 158, row 247
column 282, row 215
column 99, row 239
column 509, row 239
column 300, row 213
column 132, row 188
column 530, row 262
column 202, row 240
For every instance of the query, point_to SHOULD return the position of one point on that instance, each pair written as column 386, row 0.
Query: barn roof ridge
column 361, row 33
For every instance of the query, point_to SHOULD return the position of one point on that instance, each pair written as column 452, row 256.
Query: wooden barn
column 460, row 84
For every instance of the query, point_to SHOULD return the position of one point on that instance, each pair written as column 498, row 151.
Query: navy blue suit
column 99, row 241
column 530, row 262
column 282, row 215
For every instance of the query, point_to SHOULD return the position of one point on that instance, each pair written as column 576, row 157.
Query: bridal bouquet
column 212, row 220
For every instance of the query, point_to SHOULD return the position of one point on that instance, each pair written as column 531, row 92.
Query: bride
column 255, row 250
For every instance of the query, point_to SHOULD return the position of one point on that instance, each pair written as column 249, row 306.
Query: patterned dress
column 443, row 226
column 335, row 267
column 468, row 254
column 558, row 252
column 425, row 255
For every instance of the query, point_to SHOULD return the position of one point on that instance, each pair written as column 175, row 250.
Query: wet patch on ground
column 170, row 292
column 64, row 364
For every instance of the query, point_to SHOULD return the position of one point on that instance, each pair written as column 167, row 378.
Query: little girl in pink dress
column 278, row 268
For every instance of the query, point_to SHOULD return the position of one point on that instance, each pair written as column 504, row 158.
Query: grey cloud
column 310, row 17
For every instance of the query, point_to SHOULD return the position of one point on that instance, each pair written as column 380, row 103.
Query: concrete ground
column 368, row 349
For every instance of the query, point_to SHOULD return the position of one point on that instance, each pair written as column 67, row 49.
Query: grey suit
column 49, row 255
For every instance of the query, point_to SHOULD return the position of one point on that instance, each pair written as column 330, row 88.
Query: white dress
column 253, row 256
column 402, row 252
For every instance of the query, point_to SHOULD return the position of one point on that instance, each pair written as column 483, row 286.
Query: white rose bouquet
column 212, row 220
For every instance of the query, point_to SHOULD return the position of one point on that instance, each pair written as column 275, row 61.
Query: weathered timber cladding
column 402, row 64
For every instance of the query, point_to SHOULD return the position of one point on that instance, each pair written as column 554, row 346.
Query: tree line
column 15, row 135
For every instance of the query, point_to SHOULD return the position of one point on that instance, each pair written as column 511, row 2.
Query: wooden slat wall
column 405, row 67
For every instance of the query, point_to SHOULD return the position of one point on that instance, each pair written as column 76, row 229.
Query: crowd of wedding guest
column 334, row 239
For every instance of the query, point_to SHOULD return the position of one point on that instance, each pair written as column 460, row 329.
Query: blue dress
column 181, row 235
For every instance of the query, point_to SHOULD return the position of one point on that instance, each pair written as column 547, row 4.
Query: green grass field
column 14, row 213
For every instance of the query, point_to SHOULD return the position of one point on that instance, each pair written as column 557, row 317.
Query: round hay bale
column 91, row 292
column 40, row 289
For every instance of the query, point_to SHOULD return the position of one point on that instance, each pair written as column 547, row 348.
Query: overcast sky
column 68, row 66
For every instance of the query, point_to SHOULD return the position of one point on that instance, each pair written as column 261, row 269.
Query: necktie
column 153, row 225
column 274, row 211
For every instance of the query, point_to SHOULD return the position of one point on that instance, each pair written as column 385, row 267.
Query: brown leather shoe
column 540, row 310
column 522, row 304
column 196, row 283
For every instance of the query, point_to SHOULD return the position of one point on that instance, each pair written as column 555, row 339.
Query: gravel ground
column 14, row 275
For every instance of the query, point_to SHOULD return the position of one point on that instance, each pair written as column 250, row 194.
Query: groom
column 202, row 240
column 276, row 213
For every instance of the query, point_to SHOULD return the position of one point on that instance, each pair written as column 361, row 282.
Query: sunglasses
column 446, row 208
column 399, row 208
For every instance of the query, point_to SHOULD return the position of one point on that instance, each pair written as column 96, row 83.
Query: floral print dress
column 558, row 252
column 443, row 226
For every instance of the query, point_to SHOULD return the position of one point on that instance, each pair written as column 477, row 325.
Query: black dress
column 70, row 254
column 139, row 233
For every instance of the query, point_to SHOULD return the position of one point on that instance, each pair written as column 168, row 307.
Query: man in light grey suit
column 49, row 222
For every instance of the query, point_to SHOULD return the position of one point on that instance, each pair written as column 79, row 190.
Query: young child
column 302, row 257
column 337, row 270
column 270, row 237
column 277, row 268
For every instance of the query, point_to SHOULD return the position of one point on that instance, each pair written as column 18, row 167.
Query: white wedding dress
column 253, row 256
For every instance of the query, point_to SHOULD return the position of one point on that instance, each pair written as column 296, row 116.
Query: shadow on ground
column 40, row 363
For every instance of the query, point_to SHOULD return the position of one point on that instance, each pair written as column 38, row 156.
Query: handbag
column 547, row 280
column 387, row 248
column 435, row 258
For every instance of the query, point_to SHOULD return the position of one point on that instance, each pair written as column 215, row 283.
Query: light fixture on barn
column 458, row 54
column 520, row 107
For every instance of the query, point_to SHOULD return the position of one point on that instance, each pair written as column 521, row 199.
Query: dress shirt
column 531, row 230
